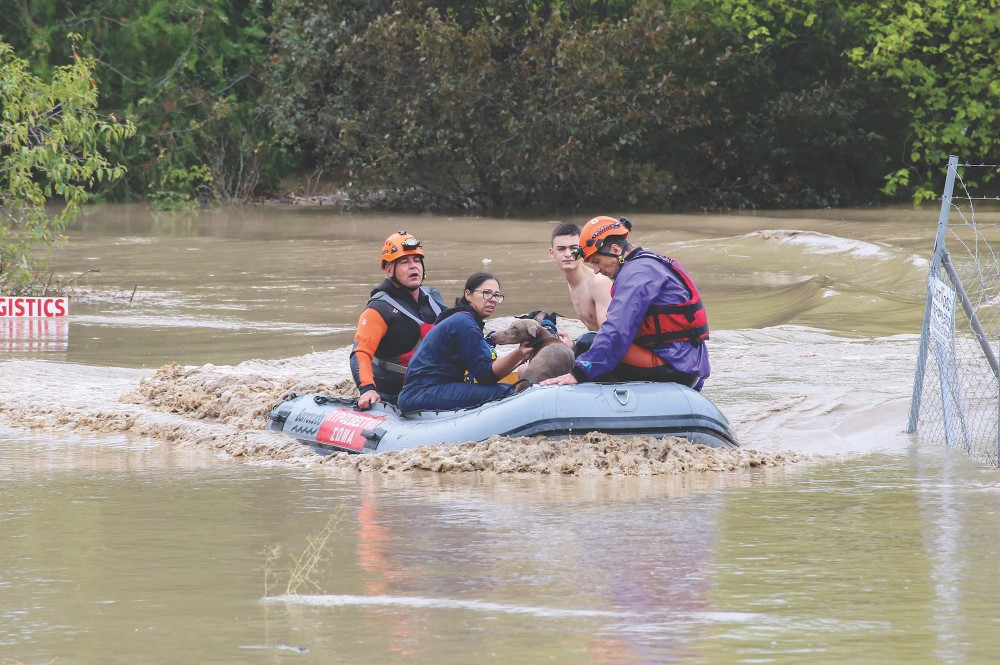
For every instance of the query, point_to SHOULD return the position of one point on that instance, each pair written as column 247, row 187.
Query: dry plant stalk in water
column 302, row 568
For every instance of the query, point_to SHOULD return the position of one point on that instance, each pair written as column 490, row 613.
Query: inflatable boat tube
column 657, row 409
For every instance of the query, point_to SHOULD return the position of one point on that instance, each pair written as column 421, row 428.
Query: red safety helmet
column 599, row 229
column 398, row 245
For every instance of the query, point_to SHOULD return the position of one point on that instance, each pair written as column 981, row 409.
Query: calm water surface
column 121, row 549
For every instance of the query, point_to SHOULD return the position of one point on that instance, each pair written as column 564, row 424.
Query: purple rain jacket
column 638, row 285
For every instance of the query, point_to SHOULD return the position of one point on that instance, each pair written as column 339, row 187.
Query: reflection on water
column 34, row 336
column 147, row 542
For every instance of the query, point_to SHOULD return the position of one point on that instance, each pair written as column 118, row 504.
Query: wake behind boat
column 657, row 409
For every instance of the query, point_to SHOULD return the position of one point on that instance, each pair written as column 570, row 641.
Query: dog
column 552, row 356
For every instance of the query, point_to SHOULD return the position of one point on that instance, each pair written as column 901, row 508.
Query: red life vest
column 663, row 324
column 424, row 329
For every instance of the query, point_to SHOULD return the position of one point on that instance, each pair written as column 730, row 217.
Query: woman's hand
column 506, row 364
column 527, row 351
column 566, row 339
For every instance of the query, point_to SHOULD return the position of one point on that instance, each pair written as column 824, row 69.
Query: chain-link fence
column 955, row 392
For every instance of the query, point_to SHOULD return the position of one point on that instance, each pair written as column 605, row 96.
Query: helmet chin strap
column 620, row 258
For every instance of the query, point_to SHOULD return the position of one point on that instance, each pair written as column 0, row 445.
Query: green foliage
column 186, row 74
column 772, row 22
column 944, row 55
column 180, row 187
column 938, row 60
column 512, row 104
column 501, row 104
column 818, row 131
column 301, row 71
column 51, row 138
column 511, row 15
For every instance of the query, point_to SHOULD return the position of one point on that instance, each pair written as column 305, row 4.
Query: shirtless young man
column 590, row 292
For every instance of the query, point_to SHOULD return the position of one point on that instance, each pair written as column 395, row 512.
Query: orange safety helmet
column 597, row 230
column 398, row 245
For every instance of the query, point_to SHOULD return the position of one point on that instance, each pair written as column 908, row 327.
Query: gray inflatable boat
column 657, row 409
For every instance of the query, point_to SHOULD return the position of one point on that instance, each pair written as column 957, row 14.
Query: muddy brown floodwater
column 148, row 516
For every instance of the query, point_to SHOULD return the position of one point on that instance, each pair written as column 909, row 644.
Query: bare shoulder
column 600, row 286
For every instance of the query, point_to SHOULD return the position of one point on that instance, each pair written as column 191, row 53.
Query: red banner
column 343, row 427
column 16, row 307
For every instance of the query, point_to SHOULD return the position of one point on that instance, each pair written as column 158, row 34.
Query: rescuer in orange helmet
column 656, row 326
column 400, row 312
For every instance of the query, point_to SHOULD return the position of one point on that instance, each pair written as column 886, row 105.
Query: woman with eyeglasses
column 435, row 377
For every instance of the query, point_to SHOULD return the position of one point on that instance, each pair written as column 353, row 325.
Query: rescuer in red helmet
column 656, row 325
column 400, row 312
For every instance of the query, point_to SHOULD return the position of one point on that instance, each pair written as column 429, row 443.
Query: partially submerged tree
column 51, row 138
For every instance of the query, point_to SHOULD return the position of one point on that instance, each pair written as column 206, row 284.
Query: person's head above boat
column 482, row 293
column 403, row 260
column 604, row 244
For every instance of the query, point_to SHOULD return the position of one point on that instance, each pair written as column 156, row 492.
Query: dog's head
column 519, row 330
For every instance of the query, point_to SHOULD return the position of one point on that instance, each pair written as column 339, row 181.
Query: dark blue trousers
column 449, row 396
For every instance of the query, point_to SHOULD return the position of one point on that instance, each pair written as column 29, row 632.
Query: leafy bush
column 50, row 150
column 944, row 58
column 185, row 73
column 502, row 106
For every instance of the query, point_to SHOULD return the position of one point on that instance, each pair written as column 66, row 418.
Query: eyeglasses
column 490, row 295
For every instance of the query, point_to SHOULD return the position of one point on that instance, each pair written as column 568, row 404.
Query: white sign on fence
column 942, row 322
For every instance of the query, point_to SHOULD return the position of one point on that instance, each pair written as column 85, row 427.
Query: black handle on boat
column 278, row 419
column 320, row 400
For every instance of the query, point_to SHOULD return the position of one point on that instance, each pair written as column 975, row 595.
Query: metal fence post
column 939, row 242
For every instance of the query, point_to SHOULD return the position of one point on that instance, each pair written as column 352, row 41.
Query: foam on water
column 439, row 603
column 854, row 399
column 822, row 243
